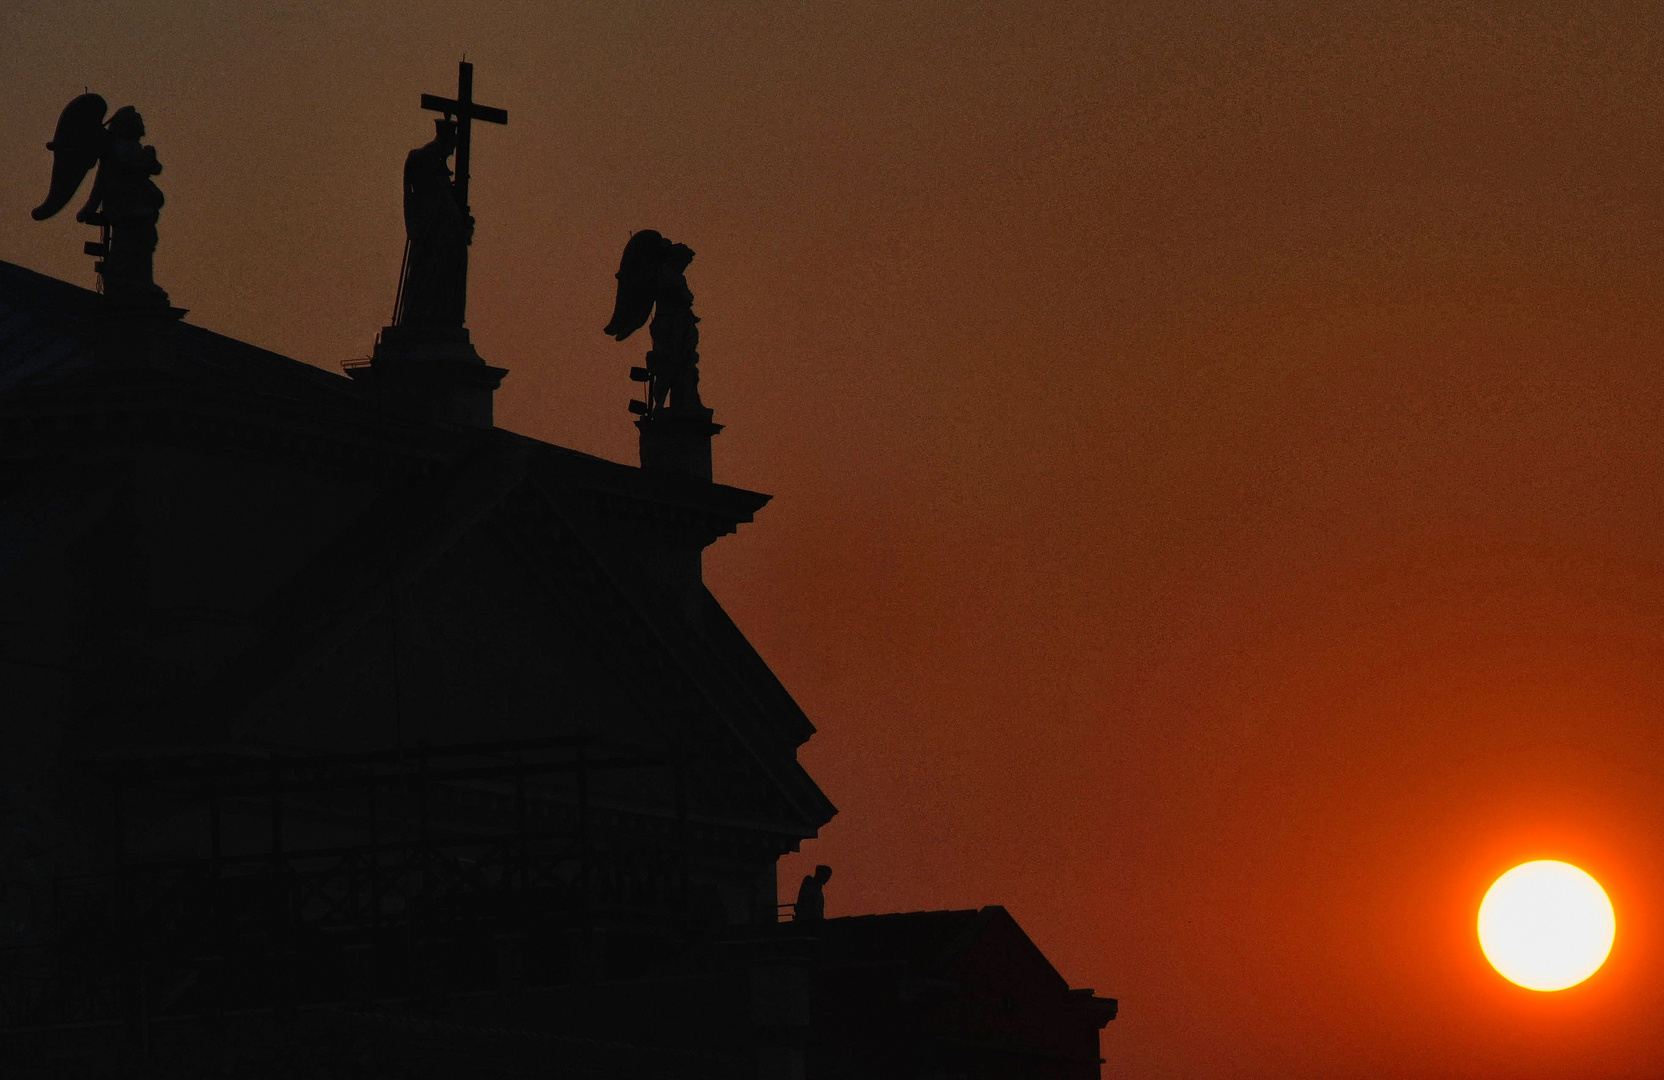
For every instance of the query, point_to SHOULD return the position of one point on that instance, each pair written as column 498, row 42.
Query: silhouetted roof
column 944, row 949
column 231, row 401
column 40, row 327
column 912, row 938
column 45, row 339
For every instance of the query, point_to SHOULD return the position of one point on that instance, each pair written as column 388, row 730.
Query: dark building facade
column 341, row 737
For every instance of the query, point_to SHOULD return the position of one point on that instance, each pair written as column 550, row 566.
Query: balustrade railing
column 420, row 902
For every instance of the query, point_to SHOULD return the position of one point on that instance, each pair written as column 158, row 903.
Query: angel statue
column 651, row 278
column 125, row 202
column 434, row 288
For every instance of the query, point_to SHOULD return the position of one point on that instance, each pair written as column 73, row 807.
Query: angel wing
column 638, row 273
column 76, row 147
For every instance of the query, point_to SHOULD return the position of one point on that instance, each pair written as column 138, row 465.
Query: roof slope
column 343, row 478
column 946, row 993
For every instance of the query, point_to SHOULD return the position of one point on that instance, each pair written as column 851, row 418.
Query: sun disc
column 1546, row 925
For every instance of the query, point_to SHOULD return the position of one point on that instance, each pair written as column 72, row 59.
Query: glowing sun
column 1546, row 925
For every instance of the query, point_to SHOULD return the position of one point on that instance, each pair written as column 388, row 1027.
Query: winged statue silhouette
column 652, row 280
column 124, row 202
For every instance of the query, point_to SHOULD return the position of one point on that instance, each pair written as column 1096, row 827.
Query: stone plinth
column 678, row 440
column 136, row 335
column 430, row 373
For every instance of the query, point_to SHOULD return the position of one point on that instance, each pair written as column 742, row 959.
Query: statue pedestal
column 430, row 373
column 139, row 335
column 678, row 440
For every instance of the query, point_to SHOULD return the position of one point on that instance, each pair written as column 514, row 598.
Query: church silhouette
column 345, row 734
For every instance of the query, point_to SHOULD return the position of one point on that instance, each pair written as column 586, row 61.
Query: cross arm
column 451, row 107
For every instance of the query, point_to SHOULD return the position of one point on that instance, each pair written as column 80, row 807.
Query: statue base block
column 136, row 335
column 430, row 373
column 678, row 440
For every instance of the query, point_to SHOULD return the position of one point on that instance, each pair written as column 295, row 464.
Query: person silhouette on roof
column 811, row 896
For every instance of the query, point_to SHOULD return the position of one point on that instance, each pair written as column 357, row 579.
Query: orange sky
column 1216, row 446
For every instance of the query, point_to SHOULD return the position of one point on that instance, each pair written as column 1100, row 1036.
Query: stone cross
column 466, row 112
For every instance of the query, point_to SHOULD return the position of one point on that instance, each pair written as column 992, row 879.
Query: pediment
column 500, row 620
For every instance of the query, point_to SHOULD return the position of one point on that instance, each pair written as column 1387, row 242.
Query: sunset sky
column 1217, row 448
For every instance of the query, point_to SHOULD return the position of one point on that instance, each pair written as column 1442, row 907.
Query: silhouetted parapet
column 429, row 373
column 678, row 440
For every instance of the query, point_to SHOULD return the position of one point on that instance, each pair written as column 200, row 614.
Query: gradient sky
column 1217, row 446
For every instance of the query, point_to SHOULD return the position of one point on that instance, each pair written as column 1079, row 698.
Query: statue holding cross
column 433, row 284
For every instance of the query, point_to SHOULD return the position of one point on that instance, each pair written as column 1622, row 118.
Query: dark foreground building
column 343, row 734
